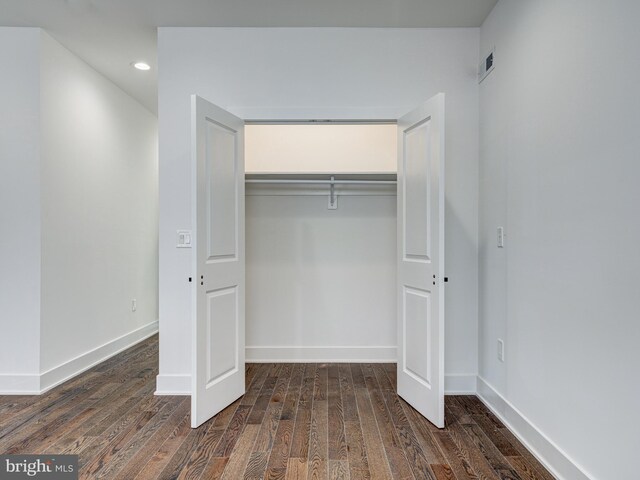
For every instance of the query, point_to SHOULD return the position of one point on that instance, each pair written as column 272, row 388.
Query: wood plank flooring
column 296, row 421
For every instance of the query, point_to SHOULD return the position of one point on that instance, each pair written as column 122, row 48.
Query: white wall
column 99, row 209
column 326, row 148
column 79, row 215
column 318, row 73
column 560, row 117
column 321, row 283
column 19, row 207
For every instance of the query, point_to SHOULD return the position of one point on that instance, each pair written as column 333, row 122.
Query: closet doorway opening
column 318, row 242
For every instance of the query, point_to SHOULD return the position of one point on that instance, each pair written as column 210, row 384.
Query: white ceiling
column 110, row 34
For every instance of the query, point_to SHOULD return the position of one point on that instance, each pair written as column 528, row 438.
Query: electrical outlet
column 134, row 305
column 500, row 350
column 500, row 237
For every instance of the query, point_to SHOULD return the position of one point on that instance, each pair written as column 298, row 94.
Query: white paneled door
column 218, row 370
column 421, row 259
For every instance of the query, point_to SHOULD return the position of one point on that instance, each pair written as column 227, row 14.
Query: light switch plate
column 184, row 239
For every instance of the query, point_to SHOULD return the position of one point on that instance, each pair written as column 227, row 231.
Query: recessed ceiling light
column 141, row 66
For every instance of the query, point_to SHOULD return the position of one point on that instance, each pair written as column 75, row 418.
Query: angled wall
column 78, row 212
column 99, row 213
column 559, row 169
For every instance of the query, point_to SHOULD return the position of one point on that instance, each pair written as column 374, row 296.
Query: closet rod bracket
column 333, row 199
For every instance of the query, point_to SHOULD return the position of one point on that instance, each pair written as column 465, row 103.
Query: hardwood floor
column 296, row 421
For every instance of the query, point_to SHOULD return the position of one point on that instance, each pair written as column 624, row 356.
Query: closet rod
column 327, row 182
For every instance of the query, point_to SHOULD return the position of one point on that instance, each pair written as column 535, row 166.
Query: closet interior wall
column 321, row 282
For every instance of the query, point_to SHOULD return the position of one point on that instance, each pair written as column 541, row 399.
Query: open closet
column 318, row 242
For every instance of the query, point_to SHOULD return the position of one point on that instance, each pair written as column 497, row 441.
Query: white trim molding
column 39, row 384
column 19, row 384
column 457, row 384
column 460, row 384
column 173, row 385
column 346, row 114
column 381, row 354
column 542, row 447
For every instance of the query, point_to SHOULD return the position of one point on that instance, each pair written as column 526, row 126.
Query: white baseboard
column 181, row 384
column 541, row 446
column 73, row 367
column 19, row 384
column 173, row 385
column 38, row 384
column 320, row 354
column 460, row 384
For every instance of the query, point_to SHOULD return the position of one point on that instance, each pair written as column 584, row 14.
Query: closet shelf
column 322, row 178
column 333, row 185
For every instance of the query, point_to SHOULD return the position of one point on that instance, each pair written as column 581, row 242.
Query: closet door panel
column 421, row 259
column 218, row 343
